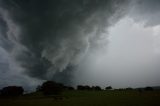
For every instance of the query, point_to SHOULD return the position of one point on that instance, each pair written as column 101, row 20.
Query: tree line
column 54, row 88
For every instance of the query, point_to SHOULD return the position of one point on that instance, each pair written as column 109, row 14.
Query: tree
column 51, row 88
column 39, row 88
column 108, row 88
column 148, row 88
column 80, row 87
column 12, row 91
column 97, row 88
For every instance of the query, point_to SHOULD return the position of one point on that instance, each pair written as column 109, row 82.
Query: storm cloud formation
column 47, row 38
column 50, row 39
column 146, row 11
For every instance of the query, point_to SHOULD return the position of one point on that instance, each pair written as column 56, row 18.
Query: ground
column 87, row 98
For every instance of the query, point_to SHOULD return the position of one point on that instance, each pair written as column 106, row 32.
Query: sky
column 94, row 42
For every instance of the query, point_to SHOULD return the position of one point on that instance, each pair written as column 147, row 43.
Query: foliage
column 12, row 91
column 108, row 88
column 51, row 88
column 148, row 88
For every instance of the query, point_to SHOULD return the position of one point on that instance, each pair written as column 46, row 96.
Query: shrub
column 68, row 88
column 129, row 88
column 86, row 87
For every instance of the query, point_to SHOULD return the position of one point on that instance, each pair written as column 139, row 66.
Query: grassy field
column 88, row 98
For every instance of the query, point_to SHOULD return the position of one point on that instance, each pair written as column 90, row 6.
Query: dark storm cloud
column 3, row 36
column 146, row 11
column 47, row 37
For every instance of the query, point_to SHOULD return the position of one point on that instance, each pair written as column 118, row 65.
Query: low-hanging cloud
column 146, row 11
column 48, row 38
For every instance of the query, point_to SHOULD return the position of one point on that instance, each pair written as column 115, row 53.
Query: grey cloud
column 50, row 39
column 146, row 11
column 50, row 36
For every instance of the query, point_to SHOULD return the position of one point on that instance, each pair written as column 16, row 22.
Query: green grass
column 88, row 98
